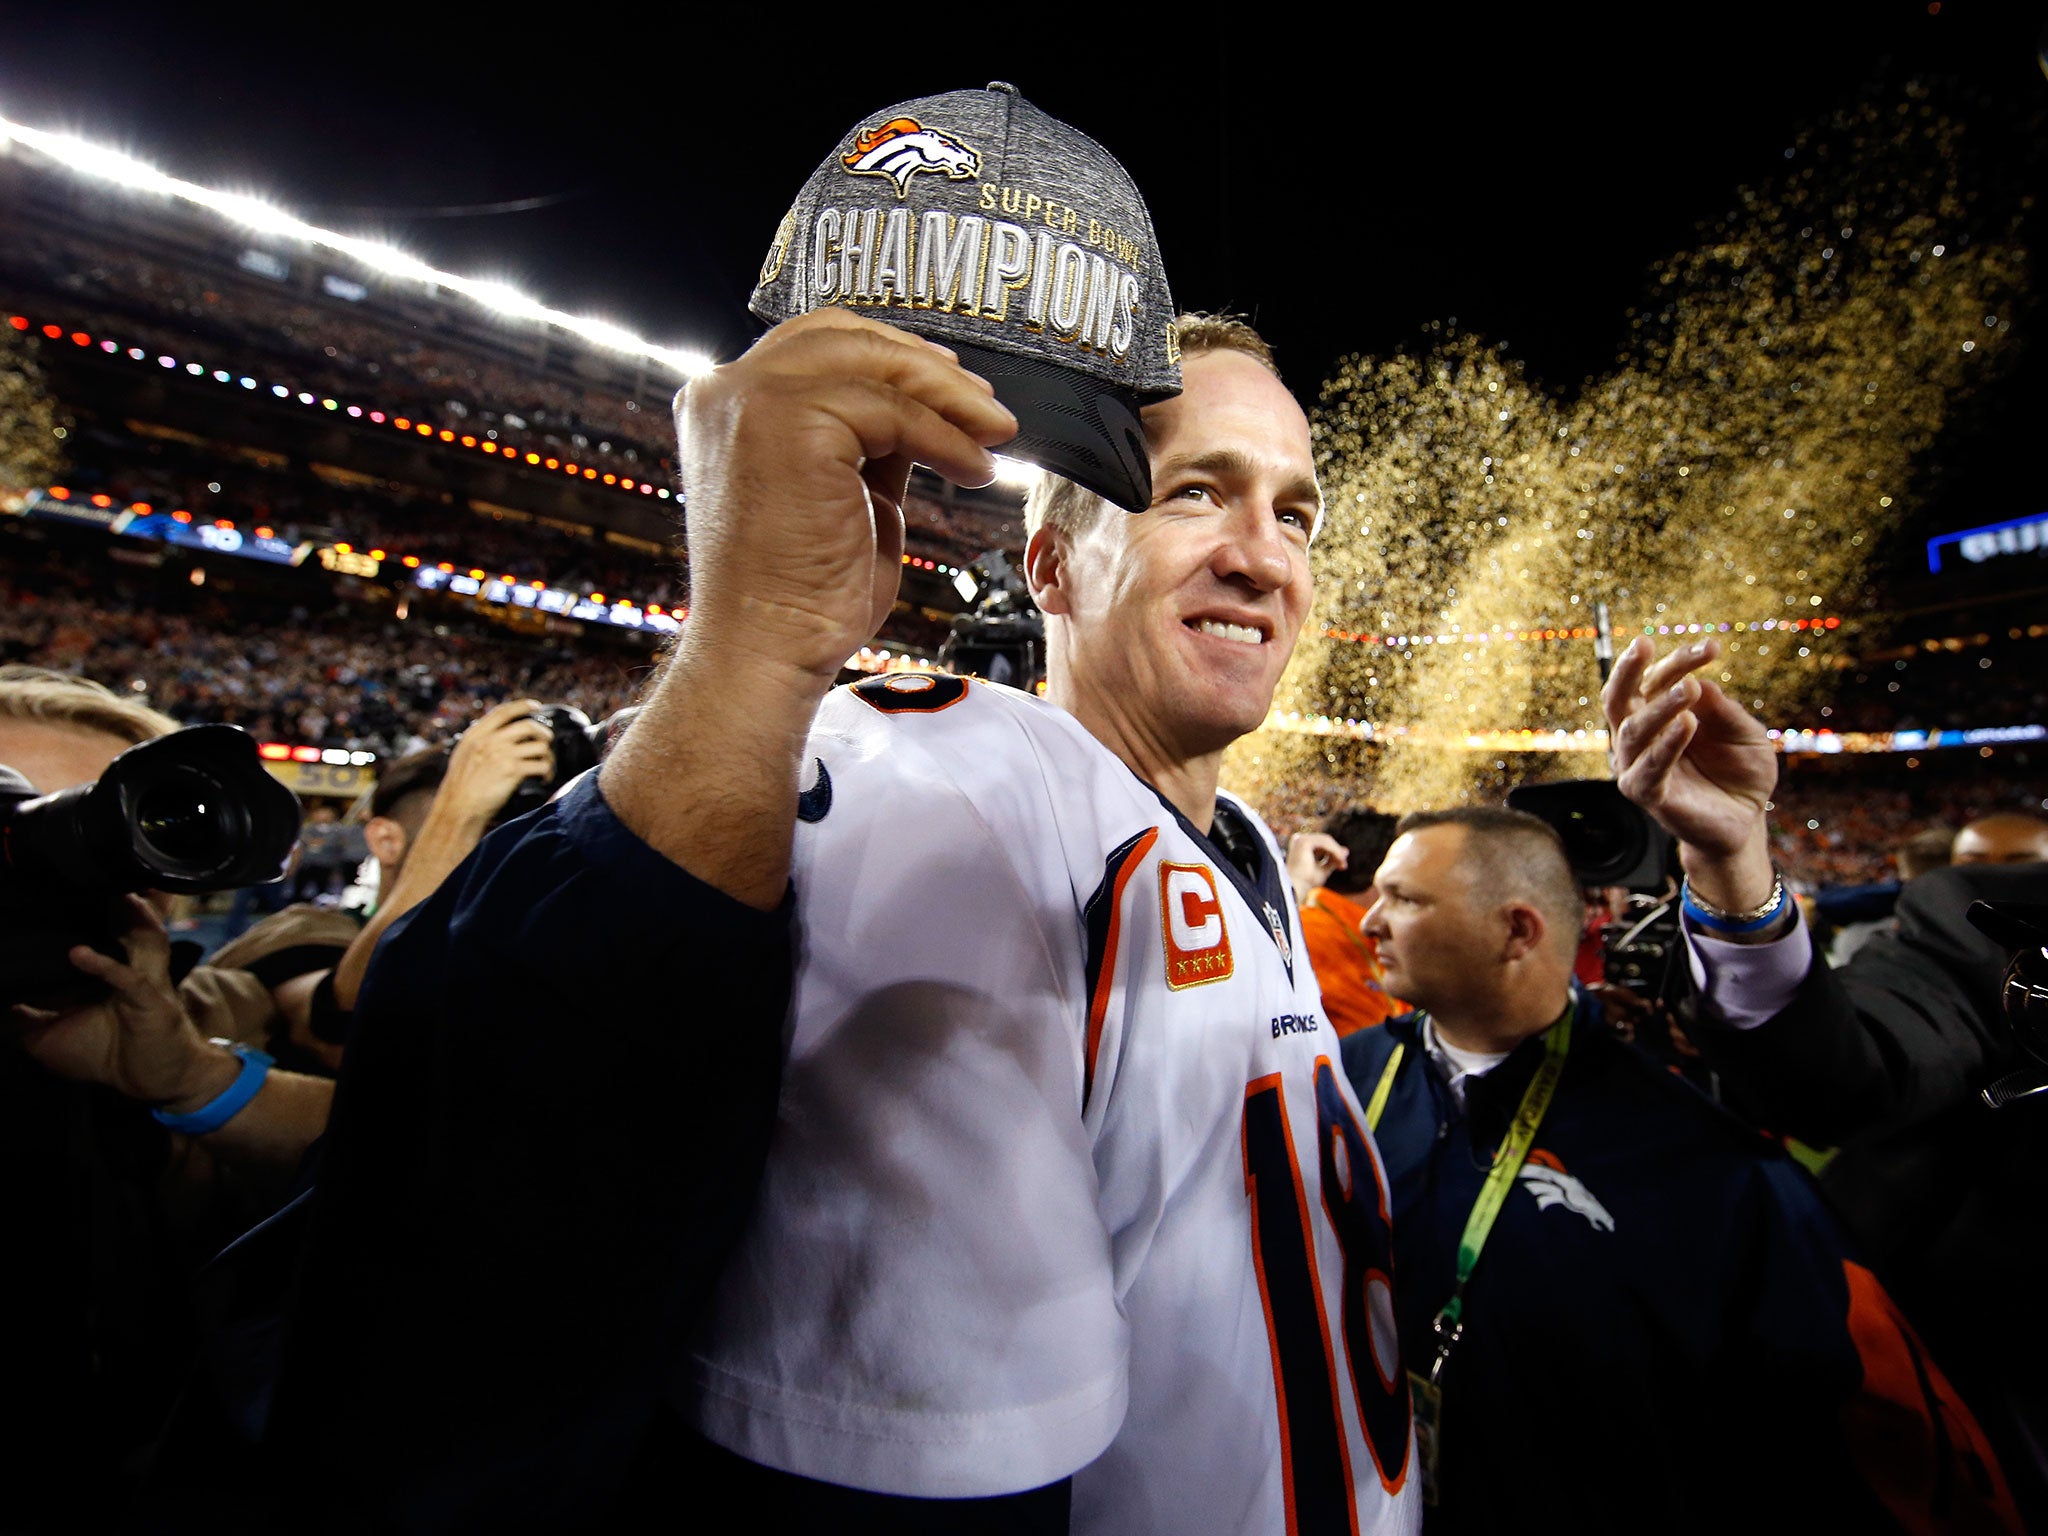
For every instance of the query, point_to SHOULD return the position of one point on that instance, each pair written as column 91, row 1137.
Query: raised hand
column 1699, row 763
column 504, row 748
column 794, row 463
column 1312, row 857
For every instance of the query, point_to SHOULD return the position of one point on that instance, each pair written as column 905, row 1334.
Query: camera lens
column 185, row 821
column 1597, row 843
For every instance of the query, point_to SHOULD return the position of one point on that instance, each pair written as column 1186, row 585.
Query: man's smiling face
column 1179, row 621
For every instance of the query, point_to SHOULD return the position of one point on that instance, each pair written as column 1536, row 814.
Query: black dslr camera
column 2020, row 926
column 577, row 746
column 189, row 812
column 1612, row 841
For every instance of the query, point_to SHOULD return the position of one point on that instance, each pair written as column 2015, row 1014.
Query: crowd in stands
column 343, row 677
column 1835, row 821
column 327, row 504
column 1954, row 682
column 324, row 505
column 1841, row 829
column 329, row 347
column 329, row 673
column 355, row 677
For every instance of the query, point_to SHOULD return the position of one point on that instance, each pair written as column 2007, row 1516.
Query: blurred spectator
column 1858, row 913
column 1332, row 874
column 429, row 810
column 1931, row 848
column 2006, row 839
column 329, row 852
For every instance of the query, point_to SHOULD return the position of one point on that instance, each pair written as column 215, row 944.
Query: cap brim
column 1070, row 423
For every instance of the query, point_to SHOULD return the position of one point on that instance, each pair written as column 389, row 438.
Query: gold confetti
column 1735, row 472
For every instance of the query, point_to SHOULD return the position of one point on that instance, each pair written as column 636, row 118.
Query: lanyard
column 1507, row 1162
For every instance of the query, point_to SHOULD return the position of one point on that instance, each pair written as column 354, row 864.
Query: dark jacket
column 552, row 1116
column 1662, row 1332
column 1885, row 1059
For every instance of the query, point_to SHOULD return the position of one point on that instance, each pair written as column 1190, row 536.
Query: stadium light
column 258, row 215
column 387, row 259
column 505, row 299
column 94, row 160
column 602, row 332
column 689, row 364
column 124, row 170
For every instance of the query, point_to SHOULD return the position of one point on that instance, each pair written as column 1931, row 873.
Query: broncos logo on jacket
column 902, row 147
column 1551, row 1185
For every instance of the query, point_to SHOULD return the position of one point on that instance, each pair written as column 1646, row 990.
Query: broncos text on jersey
column 1068, row 1180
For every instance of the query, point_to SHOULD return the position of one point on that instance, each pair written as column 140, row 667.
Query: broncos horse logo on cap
column 902, row 147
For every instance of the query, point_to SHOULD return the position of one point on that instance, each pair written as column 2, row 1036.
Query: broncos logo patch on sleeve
column 902, row 147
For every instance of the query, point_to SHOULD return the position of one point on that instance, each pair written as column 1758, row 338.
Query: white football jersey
column 1067, row 1178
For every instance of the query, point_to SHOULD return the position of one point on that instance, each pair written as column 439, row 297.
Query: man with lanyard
column 1622, row 1310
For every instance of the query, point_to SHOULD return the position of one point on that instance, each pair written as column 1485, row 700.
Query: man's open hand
column 1699, row 763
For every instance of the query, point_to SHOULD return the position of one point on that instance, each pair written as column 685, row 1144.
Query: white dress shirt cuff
column 1742, row 985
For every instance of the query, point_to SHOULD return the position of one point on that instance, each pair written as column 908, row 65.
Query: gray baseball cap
column 975, row 219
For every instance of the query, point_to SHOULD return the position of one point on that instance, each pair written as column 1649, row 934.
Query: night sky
column 1344, row 182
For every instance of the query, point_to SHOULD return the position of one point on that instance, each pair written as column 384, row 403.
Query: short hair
column 1525, row 860
column 2024, row 836
column 417, row 772
column 1931, row 849
column 1072, row 509
column 1366, row 836
column 47, row 697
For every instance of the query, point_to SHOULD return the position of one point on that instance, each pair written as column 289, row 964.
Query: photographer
column 149, row 1038
column 1579, row 1233
column 117, row 1207
column 1884, row 1059
column 429, row 810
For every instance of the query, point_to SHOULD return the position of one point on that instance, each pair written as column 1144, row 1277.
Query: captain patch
column 1197, row 943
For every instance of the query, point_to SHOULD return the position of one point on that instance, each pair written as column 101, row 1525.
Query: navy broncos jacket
column 1664, row 1331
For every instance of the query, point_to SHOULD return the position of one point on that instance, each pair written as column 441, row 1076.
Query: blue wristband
column 1719, row 923
column 217, row 1112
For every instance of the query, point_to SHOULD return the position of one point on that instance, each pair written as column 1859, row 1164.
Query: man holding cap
column 1069, row 1220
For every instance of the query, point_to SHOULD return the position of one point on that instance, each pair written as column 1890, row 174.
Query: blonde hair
column 1057, row 501
column 57, row 698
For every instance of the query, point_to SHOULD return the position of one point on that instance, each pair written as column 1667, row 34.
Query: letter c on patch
column 1192, row 909
column 1196, row 937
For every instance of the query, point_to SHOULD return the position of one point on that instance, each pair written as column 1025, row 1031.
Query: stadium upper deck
column 337, row 353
